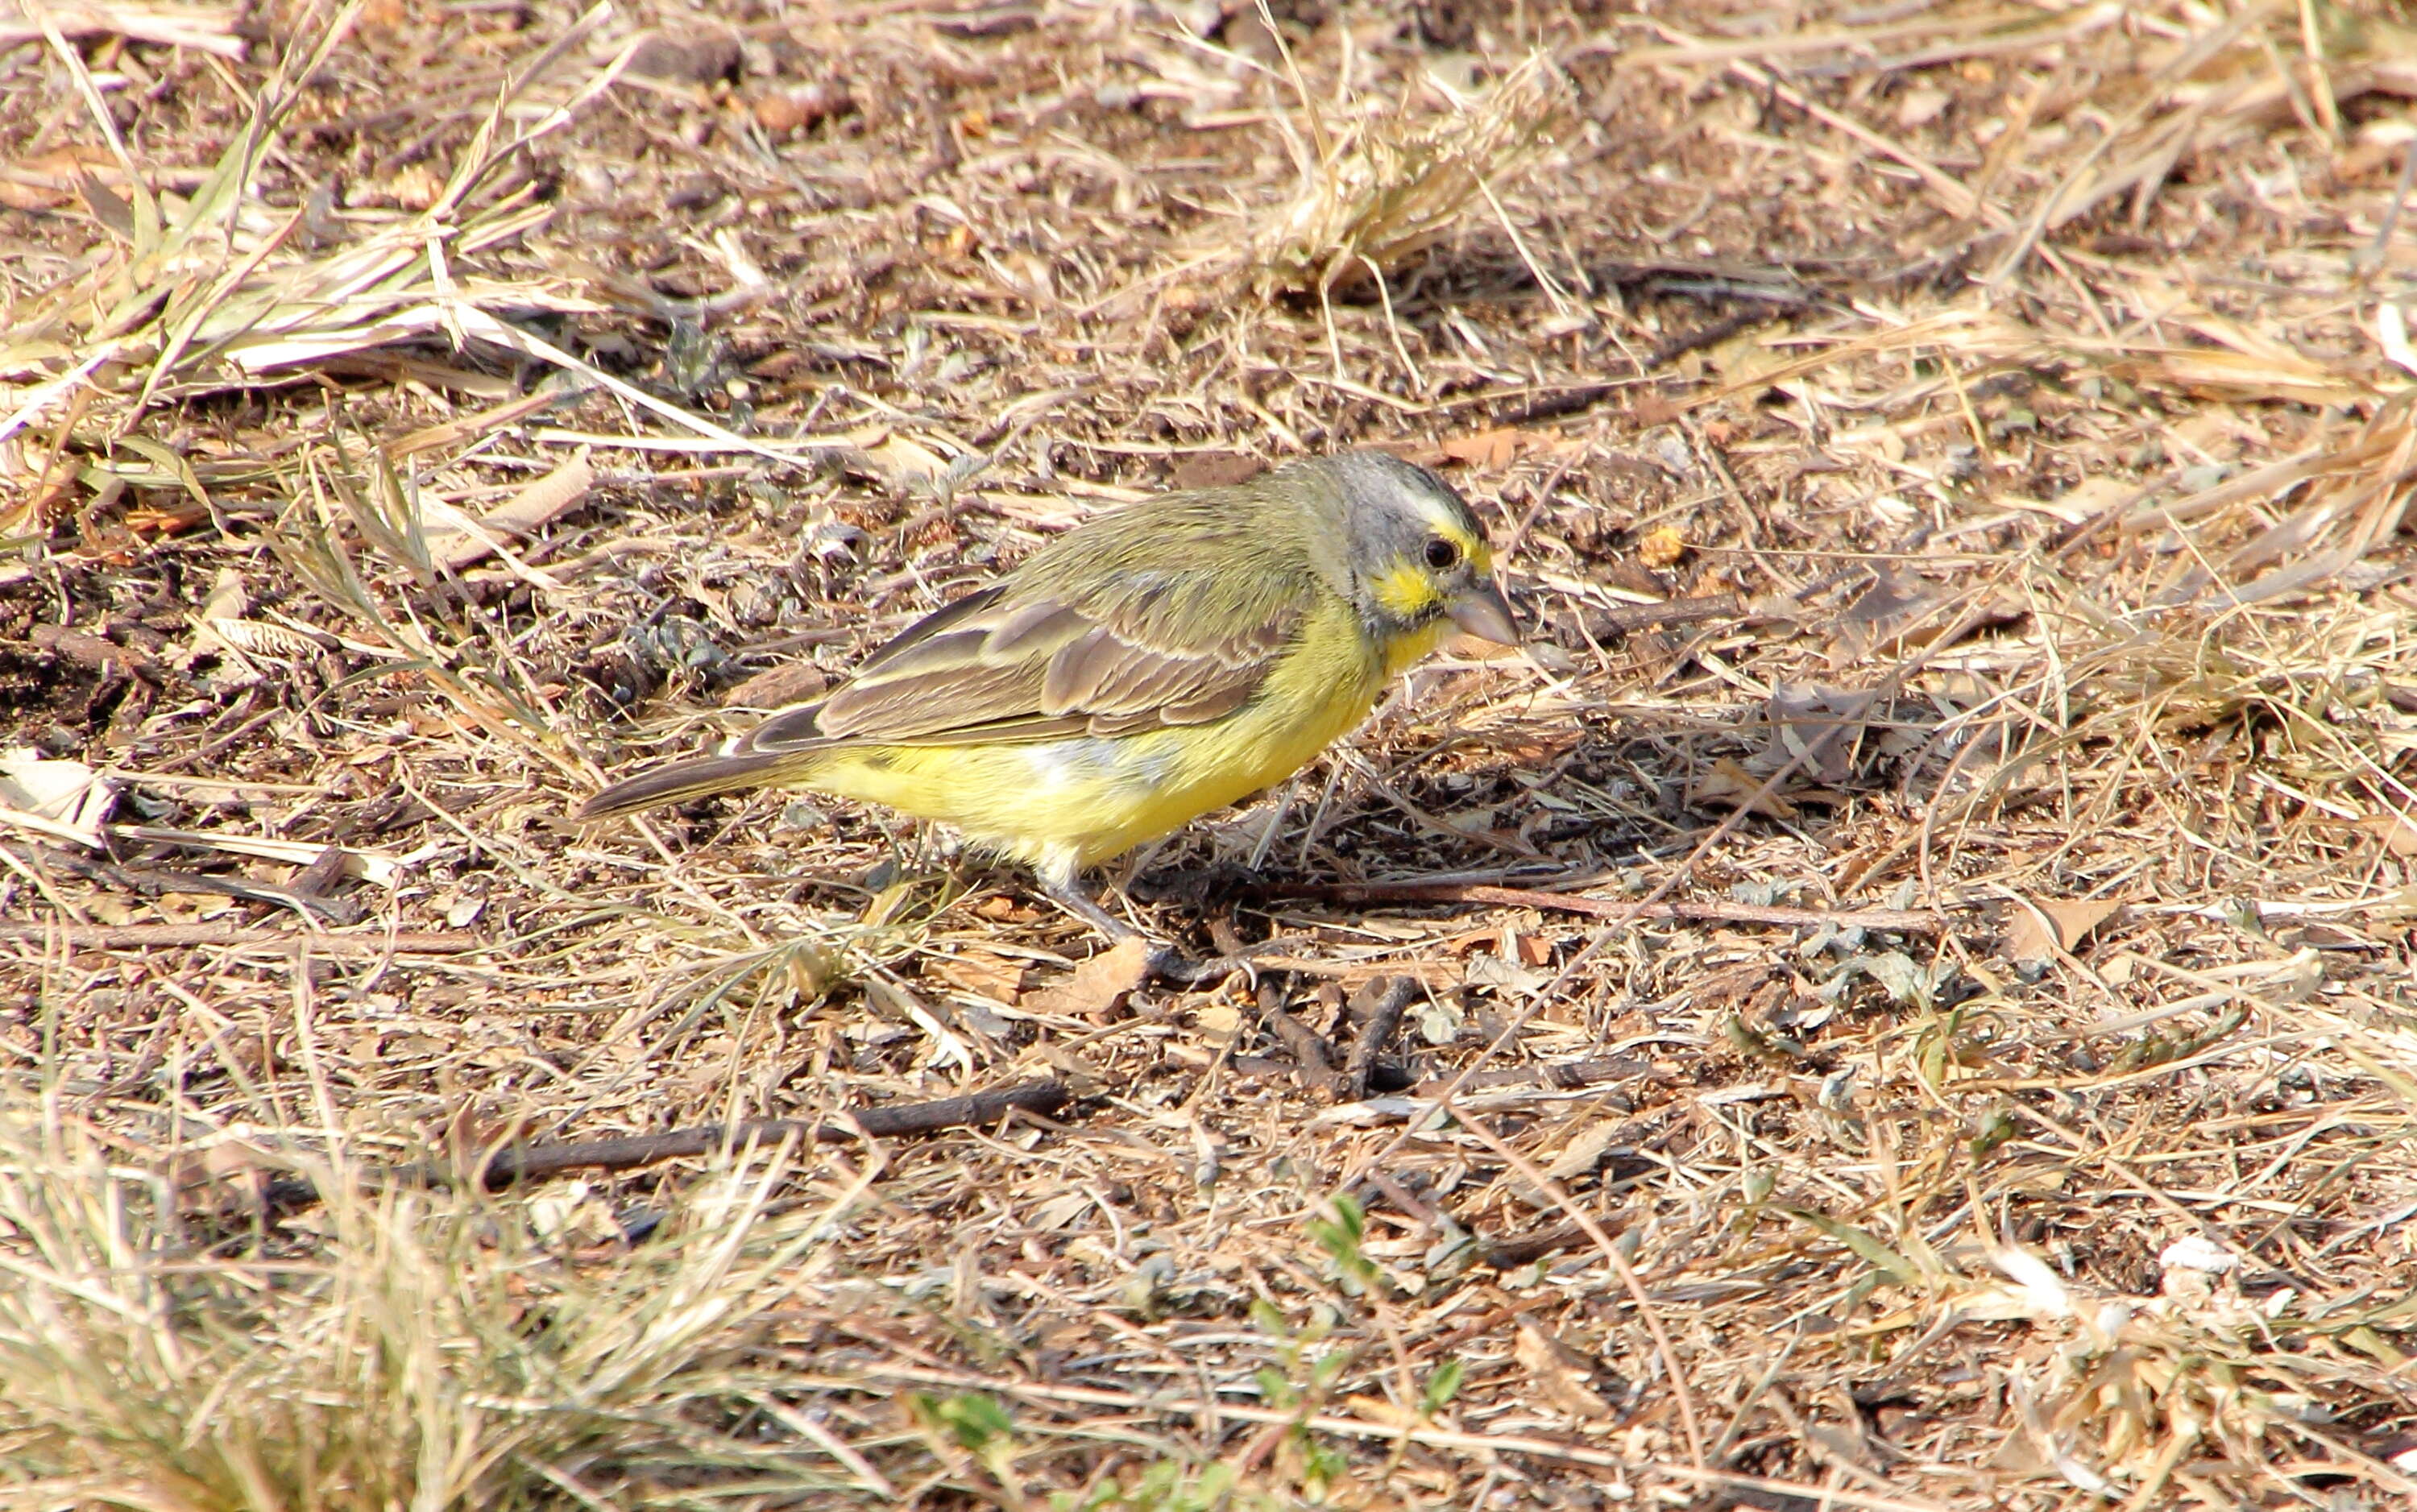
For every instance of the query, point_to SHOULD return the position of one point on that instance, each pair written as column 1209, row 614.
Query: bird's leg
column 1068, row 892
column 1061, row 879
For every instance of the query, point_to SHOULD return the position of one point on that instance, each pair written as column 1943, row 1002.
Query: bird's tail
column 699, row 777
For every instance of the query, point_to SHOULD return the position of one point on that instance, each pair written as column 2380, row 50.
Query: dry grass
column 429, row 408
column 407, row 1351
column 1378, row 189
column 194, row 292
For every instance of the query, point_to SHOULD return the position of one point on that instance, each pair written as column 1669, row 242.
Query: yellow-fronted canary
column 1165, row 660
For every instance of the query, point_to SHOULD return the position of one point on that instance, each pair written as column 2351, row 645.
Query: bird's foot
column 1166, row 963
column 1233, row 957
column 1198, row 888
column 1170, row 964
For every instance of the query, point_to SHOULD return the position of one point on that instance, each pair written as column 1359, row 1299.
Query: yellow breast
column 1061, row 804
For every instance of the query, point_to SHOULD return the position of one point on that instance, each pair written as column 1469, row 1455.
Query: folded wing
column 1138, row 650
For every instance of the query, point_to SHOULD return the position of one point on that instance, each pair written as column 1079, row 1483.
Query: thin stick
column 1530, row 1173
column 1627, row 619
column 1378, row 1007
column 1309, row 1049
column 1509, row 1254
column 237, row 936
column 532, row 1162
column 1897, row 920
column 1564, row 1076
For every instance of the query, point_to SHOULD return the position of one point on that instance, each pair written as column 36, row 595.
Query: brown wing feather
column 1032, row 666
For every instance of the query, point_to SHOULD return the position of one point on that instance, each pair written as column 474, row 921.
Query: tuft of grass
column 217, row 289
column 478, row 674
column 1377, row 188
column 425, row 1350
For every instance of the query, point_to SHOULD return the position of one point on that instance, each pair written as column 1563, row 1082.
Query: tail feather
column 699, row 777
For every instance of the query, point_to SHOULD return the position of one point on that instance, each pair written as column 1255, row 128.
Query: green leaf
column 1340, row 1236
column 1442, row 1386
column 975, row 1421
column 1273, row 1388
column 1883, row 1258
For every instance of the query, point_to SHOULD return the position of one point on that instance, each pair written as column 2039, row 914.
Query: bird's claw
column 1168, row 963
column 1198, row 888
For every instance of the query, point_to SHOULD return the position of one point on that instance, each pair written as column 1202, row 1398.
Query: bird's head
column 1418, row 556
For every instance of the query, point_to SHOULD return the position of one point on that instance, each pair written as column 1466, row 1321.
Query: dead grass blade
column 205, row 28
column 1379, row 183
column 210, row 291
column 478, row 676
column 434, row 1349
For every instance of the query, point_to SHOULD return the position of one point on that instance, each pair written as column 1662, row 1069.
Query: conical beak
column 1483, row 613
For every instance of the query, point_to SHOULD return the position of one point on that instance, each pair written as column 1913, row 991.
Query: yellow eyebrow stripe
column 1473, row 547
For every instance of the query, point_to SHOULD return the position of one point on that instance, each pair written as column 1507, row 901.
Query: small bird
column 1163, row 660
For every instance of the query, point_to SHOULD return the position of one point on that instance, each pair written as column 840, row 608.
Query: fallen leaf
column 1468, row 820
column 786, row 110
column 225, row 1179
column 47, row 180
column 793, row 682
column 1098, row 985
column 1742, row 360
column 1490, row 970
column 459, row 543
column 1821, row 728
column 64, row 798
column 903, row 461
column 228, row 598
column 2027, row 938
column 1379, row 1410
column 1896, row 615
column 1662, row 548
column 1729, row 785
column 694, row 54
column 1652, row 409
column 1919, row 106
column 415, row 187
column 1555, row 1368
column 1491, row 448
column 2397, row 831
column 1218, row 1017
column 1584, row 1151
column 1000, row 979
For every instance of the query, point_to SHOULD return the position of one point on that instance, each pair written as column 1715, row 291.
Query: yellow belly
column 1063, row 805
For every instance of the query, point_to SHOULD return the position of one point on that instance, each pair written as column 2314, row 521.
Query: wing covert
column 1139, row 650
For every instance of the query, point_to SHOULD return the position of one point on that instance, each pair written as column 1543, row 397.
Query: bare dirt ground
column 1952, row 459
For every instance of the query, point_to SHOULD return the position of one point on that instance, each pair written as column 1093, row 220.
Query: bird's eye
column 1442, row 554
